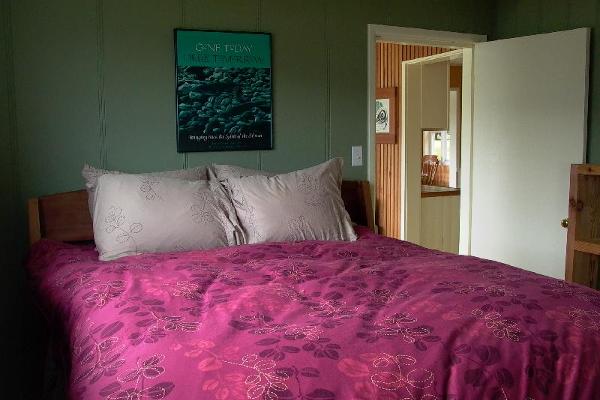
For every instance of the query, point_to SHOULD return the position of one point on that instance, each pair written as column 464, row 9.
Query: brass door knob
column 564, row 223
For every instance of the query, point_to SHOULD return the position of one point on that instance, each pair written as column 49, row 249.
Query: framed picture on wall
column 223, row 90
column 386, row 115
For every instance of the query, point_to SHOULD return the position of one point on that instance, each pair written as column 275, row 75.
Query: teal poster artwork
column 224, row 92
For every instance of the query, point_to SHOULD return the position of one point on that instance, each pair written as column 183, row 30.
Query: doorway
column 514, row 177
column 408, row 224
column 431, row 131
column 428, row 132
column 388, row 71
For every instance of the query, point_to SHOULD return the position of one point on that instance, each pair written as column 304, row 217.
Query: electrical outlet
column 357, row 156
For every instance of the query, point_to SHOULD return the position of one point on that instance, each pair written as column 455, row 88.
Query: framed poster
column 386, row 111
column 224, row 92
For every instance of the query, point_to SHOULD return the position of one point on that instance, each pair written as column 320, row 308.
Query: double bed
column 376, row 318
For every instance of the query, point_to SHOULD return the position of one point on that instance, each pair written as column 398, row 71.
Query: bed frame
column 65, row 216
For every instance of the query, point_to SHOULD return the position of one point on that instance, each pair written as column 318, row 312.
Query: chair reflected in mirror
column 429, row 167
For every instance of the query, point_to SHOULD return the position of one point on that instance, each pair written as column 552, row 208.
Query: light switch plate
column 357, row 156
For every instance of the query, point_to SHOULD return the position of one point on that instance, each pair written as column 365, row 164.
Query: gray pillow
column 223, row 172
column 137, row 214
column 91, row 175
column 301, row 205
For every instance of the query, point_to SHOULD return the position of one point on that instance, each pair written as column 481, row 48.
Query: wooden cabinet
column 583, row 237
column 435, row 89
column 440, row 218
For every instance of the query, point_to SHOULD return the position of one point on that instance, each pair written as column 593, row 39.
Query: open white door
column 529, row 125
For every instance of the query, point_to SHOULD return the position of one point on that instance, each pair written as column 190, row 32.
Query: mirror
column 441, row 150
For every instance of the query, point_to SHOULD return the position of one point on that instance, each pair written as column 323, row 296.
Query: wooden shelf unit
column 583, row 237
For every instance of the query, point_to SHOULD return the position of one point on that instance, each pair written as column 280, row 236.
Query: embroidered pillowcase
column 91, row 175
column 221, row 173
column 137, row 214
column 301, row 205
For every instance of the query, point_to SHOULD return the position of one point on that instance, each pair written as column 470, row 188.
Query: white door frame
column 427, row 38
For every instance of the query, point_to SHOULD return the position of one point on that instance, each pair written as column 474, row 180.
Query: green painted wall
column 12, row 288
column 93, row 81
column 8, row 179
column 528, row 17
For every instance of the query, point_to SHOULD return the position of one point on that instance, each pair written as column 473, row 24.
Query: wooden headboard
column 65, row 216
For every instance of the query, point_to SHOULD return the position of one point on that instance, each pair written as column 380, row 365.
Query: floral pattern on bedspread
column 372, row 319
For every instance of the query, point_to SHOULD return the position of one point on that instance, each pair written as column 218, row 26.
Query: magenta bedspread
column 373, row 319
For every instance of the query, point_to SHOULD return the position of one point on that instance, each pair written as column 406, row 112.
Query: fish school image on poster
column 224, row 93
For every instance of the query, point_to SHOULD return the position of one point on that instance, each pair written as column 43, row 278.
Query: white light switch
column 357, row 156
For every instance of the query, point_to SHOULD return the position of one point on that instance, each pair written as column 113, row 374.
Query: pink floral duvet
column 373, row 319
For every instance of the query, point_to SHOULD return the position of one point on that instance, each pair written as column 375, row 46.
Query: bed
column 376, row 318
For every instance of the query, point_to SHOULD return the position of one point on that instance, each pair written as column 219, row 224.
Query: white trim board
column 425, row 37
column 449, row 55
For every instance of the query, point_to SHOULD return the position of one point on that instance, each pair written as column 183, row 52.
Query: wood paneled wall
column 389, row 74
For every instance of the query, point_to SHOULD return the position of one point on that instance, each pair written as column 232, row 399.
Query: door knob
column 564, row 223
